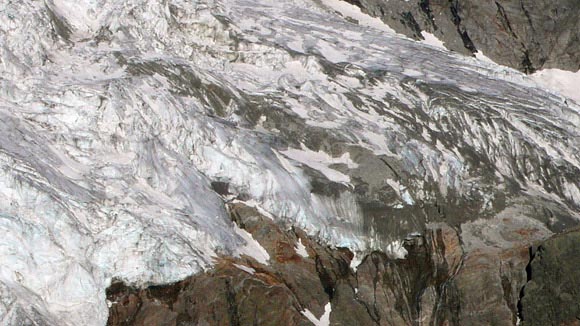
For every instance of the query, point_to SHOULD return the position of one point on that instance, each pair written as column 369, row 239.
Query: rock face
column 526, row 35
column 552, row 294
column 441, row 281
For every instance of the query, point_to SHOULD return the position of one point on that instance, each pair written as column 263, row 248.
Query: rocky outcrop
column 526, row 35
column 443, row 280
column 552, row 294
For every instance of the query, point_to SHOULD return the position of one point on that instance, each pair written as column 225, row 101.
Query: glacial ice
column 116, row 116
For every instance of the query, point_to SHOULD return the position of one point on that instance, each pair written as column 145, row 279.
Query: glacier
column 118, row 118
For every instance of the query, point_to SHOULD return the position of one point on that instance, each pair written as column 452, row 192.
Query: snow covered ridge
column 117, row 116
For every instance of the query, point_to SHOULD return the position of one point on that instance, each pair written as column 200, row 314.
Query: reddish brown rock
column 438, row 283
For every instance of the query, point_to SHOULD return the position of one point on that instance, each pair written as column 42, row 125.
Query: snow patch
column 566, row 83
column 252, row 248
column 482, row 57
column 356, row 261
column 246, row 269
column 432, row 40
column 324, row 320
column 351, row 11
column 301, row 249
column 396, row 250
column 254, row 203
column 320, row 161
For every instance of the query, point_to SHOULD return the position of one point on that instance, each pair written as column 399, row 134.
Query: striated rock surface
column 526, row 35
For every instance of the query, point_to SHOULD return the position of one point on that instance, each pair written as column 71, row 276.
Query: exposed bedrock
column 526, row 35
column 552, row 294
column 446, row 278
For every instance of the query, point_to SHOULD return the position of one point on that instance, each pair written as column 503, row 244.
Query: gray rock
column 526, row 35
column 552, row 293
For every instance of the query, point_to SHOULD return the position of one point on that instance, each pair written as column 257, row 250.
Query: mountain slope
column 528, row 36
column 127, row 126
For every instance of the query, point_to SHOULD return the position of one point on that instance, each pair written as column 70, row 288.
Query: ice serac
column 127, row 126
column 526, row 35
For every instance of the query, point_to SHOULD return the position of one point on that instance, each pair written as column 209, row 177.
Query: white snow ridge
column 117, row 115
